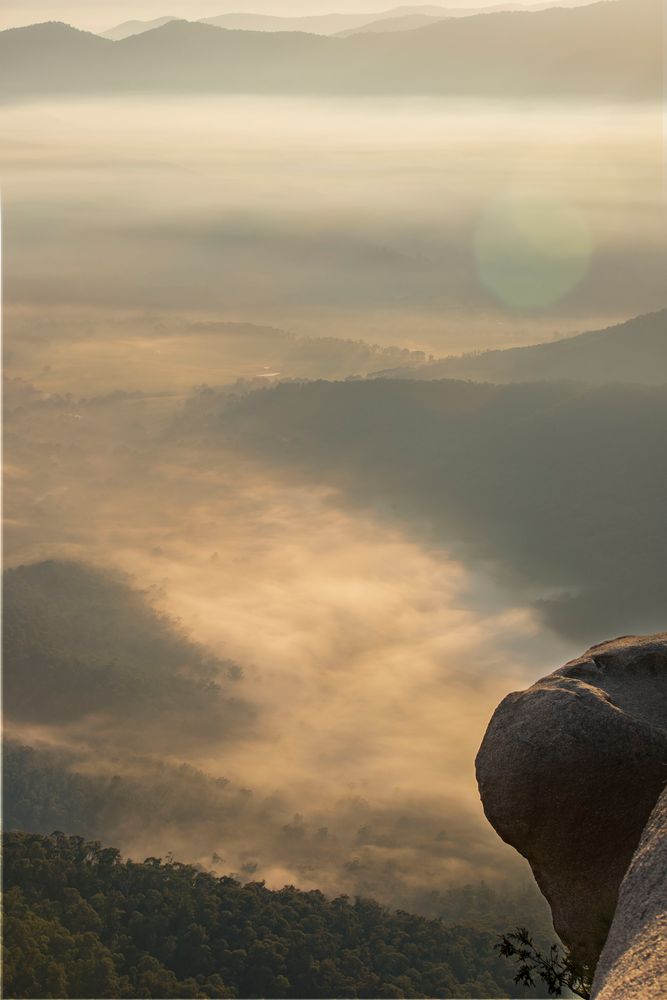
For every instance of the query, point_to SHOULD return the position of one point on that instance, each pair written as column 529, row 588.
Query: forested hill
column 563, row 485
column 634, row 351
column 80, row 642
column 82, row 922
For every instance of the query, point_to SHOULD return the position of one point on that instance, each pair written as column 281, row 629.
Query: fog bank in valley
column 368, row 664
column 393, row 222
column 281, row 619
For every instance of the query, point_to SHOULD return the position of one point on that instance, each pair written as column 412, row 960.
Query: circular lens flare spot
column 531, row 251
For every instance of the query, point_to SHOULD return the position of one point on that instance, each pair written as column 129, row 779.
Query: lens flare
column 531, row 251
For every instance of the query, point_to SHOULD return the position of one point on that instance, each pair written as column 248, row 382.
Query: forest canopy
column 81, row 921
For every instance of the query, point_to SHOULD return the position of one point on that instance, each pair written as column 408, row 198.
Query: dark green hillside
column 80, row 642
column 82, row 922
column 635, row 351
column 182, row 808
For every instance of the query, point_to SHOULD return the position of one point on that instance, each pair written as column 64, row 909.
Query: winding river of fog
column 134, row 231
column 372, row 662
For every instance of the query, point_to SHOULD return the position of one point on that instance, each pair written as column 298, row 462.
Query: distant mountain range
column 635, row 351
column 129, row 28
column 607, row 50
column 396, row 19
column 404, row 22
column 319, row 24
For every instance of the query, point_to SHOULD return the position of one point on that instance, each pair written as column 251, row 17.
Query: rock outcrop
column 569, row 772
column 633, row 964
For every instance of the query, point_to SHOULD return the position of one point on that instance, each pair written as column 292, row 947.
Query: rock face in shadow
column 633, row 964
column 569, row 772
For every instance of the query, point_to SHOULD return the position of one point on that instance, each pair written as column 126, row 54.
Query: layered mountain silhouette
column 405, row 22
column 319, row 24
column 395, row 19
column 611, row 49
column 128, row 28
column 409, row 18
column 635, row 351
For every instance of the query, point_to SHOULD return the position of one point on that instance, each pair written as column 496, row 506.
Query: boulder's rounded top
column 624, row 651
column 631, row 670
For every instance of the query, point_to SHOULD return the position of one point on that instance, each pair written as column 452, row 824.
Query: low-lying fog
column 430, row 224
column 371, row 663
column 141, row 239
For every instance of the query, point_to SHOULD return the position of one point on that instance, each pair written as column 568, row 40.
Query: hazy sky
column 101, row 14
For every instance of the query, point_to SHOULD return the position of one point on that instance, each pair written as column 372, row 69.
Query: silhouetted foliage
column 80, row 921
column 556, row 969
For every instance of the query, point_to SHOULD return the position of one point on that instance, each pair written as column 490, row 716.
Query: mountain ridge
column 332, row 23
column 632, row 351
column 603, row 50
